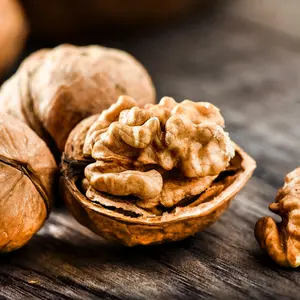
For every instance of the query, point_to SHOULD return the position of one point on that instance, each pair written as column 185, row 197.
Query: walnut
column 143, row 137
column 282, row 241
column 13, row 32
column 153, row 174
column 27, row 170
column 55, row 89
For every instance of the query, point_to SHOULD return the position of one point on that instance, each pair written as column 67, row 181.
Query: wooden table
column 253, row 74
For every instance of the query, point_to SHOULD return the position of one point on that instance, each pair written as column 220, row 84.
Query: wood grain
column 253, row 75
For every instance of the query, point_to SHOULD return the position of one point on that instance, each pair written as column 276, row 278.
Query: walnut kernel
column 134, row 148
column 153, row 174
column 282, row 241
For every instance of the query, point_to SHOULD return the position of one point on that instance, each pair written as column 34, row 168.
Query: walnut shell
column 122, row 218
column 13, row 32
column 27, row 170
column 81, row 17
column 55, row 89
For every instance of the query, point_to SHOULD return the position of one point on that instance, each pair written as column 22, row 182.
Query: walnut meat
column 27, row 169
column 55, row 89
column 152, row 174
column 187, row 136
column 282, row 241
column 13, row 32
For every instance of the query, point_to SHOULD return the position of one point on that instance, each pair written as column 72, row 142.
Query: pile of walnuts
column 132, row 171
column 51, row 92
column 83, row 120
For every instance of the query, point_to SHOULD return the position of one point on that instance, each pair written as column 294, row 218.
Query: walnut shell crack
column 282, row 240
column 97, row 163
column 27, row 171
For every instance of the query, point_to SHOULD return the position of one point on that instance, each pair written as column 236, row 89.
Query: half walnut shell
column 122, row 218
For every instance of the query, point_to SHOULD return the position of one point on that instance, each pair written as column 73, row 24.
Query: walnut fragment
column 56, row 88
column 282, row 241
column 140, row 170
column 27, row 171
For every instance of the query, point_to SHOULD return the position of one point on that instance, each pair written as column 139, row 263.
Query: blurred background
column 27, row 25
column 243, row 56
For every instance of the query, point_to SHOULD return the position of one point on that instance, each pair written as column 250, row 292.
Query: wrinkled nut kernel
column 27, row 171
column 153, row 174
column 282, row 241
column 135, row 148
column 54, row 89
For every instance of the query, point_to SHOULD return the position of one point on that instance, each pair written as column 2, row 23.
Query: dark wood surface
column 253, row 75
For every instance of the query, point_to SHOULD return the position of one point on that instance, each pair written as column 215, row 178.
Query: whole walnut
column 13, row 32
column 153, row 174
column 55, row 89
column 79, row 17
column 27, row 170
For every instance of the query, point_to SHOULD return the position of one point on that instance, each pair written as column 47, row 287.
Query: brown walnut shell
column 55, row 89
column 27, row 170
column 137, row 226
column 13, row 31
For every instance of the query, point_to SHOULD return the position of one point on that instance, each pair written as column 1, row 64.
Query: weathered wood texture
column 253, row 75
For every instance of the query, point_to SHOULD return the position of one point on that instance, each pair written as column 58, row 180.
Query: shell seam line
column 25, row 169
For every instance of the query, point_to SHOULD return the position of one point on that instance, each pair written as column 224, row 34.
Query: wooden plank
column 253, row 75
